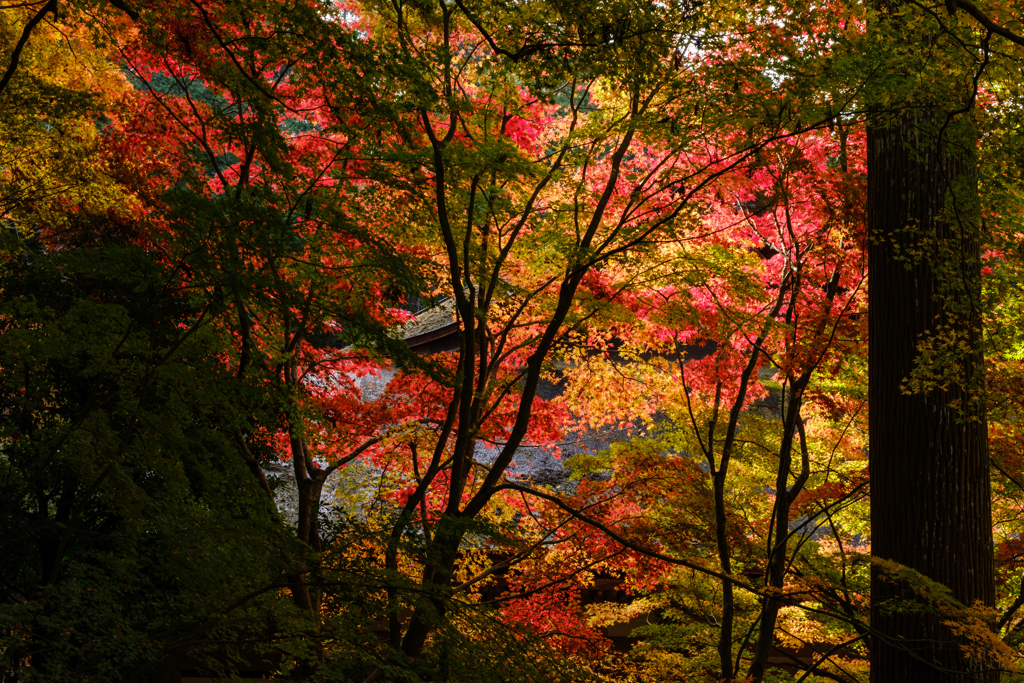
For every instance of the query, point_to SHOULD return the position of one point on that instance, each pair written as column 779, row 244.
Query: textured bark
column 930, row 505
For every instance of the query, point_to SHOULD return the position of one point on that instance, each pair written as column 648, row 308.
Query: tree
column 129, row 526
column 928, row 443
column 737, row 368
column 118, row 517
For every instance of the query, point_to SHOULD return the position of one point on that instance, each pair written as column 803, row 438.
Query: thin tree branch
column 50, row 6
column 987, row 23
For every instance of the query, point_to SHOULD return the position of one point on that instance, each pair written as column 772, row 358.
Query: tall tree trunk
column 930, row 506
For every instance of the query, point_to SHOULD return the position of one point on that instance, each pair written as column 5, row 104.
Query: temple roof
column 431, row 325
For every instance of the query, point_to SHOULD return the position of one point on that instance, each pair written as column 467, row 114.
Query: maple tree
column 728, row 366
column 510, row 255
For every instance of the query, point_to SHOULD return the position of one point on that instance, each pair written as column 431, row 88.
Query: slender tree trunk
column 778, row 554
column 725, row 561
column 436, row 582
column 792, row 437
column 930, row 506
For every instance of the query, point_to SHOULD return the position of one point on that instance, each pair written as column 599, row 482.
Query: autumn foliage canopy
column 466, row 341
